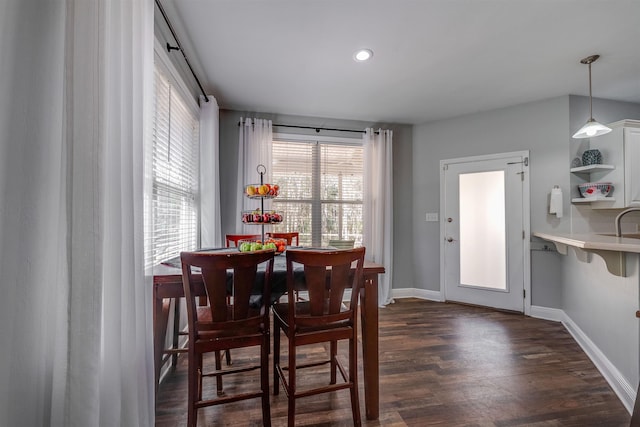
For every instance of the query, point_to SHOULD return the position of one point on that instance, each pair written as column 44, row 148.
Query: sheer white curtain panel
column 76, row 304
column 378, row 206
column 255, row 142
column 210, row 224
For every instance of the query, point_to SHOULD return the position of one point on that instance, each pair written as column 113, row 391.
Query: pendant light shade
column 592, row 127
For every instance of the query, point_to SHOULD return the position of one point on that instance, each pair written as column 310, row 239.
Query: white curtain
column 210, row 224
column 378, row 205
column 255, row 142
column 75, row 305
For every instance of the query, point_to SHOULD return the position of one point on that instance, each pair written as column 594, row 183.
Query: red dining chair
column 322, row 318
column 235, row 238
column 289, row 237
column 226, row 323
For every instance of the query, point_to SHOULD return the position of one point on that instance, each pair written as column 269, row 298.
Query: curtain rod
column 170, row 48
column 317, row 128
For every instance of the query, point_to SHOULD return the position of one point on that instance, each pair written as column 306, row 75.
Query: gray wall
column 541, row 128
column 402, row 175
column 544, row 128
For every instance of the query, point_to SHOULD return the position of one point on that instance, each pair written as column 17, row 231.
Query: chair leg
column 353, row 378
column 227, row 355
column 291, row 413
column 333, row 353
column 264, row 382
column 219, row 387
column 192, row 392
column 276, row 357
column 199, row 371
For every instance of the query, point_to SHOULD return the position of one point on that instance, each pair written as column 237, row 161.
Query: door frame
column 526, row 218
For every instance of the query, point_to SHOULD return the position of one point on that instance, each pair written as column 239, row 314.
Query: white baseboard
column 546, row 313
column 625, row 392
column 417, row 293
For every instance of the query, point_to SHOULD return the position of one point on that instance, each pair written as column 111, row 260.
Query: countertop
column 594, row 241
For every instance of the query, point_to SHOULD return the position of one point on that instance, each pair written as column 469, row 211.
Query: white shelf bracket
column 614, row 260
column 582, row 255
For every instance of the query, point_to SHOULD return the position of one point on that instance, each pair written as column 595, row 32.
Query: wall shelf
column 592, row 168
column 592, row 199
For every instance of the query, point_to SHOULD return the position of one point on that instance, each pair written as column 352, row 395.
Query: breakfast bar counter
column 608, row 246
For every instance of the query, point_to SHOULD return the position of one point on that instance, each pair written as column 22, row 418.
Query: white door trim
column 526, row 220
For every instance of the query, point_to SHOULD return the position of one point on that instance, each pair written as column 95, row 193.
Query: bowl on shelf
column 259, row 217
column 255, row 191
column 594, row 190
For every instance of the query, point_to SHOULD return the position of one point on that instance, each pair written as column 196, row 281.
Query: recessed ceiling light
column 363, row 55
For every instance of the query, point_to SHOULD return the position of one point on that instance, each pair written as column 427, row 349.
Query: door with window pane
column 321, row 186
column 484, row 231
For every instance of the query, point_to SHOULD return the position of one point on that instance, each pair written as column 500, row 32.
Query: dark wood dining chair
column 324, row 317
column 235, row 238
column 226, row 323
column 289, row 237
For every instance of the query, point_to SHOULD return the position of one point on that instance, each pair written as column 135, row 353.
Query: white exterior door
column 485, row 230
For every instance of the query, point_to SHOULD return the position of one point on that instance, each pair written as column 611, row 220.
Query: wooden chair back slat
column 228, row 275
column 327, row 275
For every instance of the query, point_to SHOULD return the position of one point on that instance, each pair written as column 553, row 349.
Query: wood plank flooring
column 440, row 365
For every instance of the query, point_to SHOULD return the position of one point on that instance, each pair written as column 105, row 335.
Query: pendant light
column 592, row 127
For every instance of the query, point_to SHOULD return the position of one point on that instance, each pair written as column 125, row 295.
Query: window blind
column 321, row 188
column 173, row 162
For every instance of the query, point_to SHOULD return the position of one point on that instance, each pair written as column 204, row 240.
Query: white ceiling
column 433, row 59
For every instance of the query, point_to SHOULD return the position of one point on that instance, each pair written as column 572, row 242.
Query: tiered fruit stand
column 261, row 191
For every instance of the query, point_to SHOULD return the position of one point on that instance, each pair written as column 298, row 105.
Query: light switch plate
column 432, row 217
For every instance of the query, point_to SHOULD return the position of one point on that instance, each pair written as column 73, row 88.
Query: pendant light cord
column 590, row 96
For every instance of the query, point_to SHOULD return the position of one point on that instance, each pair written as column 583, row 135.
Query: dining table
column 167, row 286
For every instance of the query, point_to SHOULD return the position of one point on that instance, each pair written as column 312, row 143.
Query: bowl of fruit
column 266, row 191
column 256, row 245
column 280, row 245
column 259, row 217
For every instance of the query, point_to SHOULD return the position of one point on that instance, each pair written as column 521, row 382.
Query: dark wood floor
column 445, row 365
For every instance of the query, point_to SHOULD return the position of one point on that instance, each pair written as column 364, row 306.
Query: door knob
column 449, row 219
column 449, row 239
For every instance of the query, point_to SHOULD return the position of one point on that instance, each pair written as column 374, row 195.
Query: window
column 171, row 219
column 321, row 188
